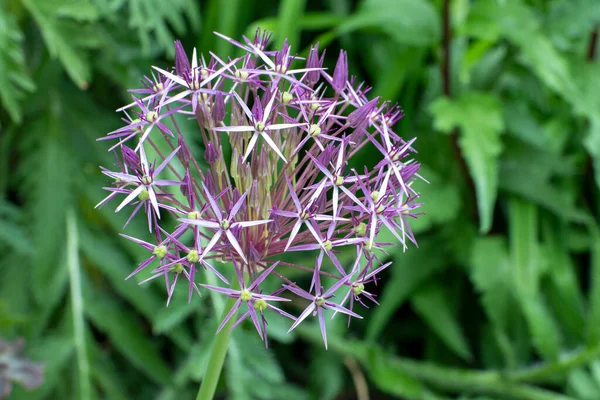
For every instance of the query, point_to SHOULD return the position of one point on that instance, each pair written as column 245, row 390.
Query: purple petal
column 230, row 314
column 262, row 276
column 322, row 325
column 303, row 316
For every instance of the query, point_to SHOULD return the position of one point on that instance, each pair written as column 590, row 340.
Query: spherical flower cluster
column 285, row 186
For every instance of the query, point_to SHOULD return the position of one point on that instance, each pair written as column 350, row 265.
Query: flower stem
column 208, row 386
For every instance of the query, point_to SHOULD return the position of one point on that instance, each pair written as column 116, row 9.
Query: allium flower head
column 293, row 127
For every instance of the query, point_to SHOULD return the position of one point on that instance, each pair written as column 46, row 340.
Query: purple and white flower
column 293, row 129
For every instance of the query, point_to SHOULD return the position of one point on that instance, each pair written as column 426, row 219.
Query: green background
column 500, row 301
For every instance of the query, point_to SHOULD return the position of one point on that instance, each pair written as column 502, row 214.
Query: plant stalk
column 507, row 384
column 208, row 386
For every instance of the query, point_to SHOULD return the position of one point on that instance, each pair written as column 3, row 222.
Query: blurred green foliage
column 500, row 301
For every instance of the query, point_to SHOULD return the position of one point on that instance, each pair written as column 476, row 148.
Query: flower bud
column 340, row 74
column 218, row 109
column 234, row 170
column 254, row 197
column 182, row 62
column 313, row 61
column 186, row 186
column 211, row 154
column 130, row 158
column 184, row 154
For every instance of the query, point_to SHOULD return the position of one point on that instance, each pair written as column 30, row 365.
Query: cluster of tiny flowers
column 286, row 186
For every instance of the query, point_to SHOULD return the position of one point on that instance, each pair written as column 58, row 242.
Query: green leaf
column 12, row 233
column 564, row 294
column 328, row 376
column 78, row 10
column 546, row 182
column 431, row 303
column 515, row 21
column 250, row 362
column 390, row 379
column 479, row 116
column 441, row 200
column 288, row 22
column 409, row 270
column 586, row 78
column 411, row 22
column 168, row 318
column 77, row 306
column 106, row 376
column 55, row 351
column 125, row 332
column 14, row 79
column 593, row 320
column 490, row 273
column 526, row 273
column 391, row 67
column 115, row 266
column 151, row 18
column 58, row 35
column 569, row 20
column 46, row 172
column 581, row 383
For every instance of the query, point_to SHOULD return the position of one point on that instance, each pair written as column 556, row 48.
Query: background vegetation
column 500, row 300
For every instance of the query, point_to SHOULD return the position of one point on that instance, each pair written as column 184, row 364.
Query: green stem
column 77, row 307
column 546, row 371
column 505, row 384
column 208, row 386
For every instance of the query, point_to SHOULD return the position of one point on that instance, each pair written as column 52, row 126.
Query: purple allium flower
column 292, row 128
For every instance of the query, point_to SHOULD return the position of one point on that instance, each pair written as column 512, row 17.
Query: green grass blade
column 83, row 365
column 288, row 22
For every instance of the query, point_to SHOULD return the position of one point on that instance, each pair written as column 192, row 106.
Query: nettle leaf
column 479, row 116
column 412, row 22
column 58, row 34
column 515, row 21
column 14, row 81
column 152, row 18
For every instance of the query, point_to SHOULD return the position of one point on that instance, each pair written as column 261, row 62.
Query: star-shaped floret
column 224, row 225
